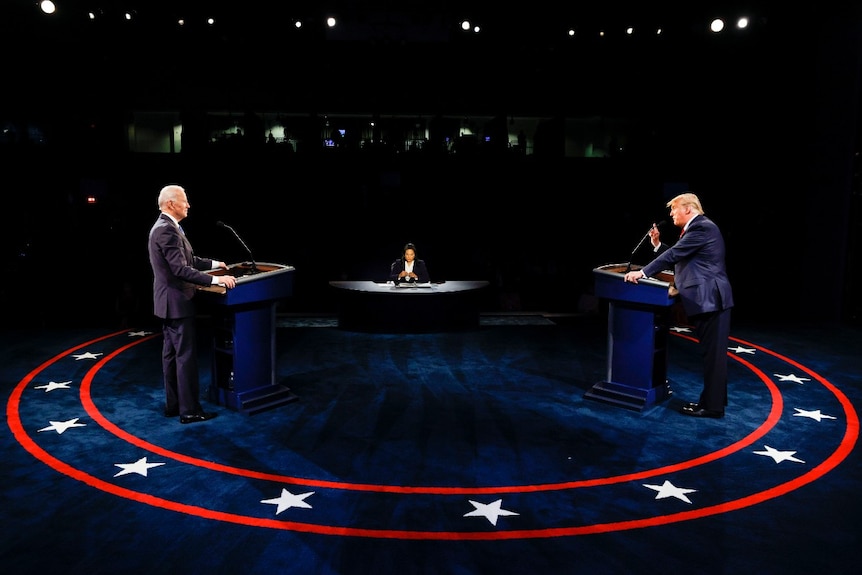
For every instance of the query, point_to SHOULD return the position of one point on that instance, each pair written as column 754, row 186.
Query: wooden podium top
column 652, row 290
column 246, row 272
column 258, row 284
column 665, row 277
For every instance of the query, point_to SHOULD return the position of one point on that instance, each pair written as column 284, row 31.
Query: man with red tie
column 176, row 273
column 700, row 276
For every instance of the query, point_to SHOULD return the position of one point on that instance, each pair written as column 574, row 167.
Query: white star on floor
column 815, row 414
column 61, row 426
column 140, row 467
column 779, row 456
column 739, row 349
column 287, row 500
column 52, row 385
column 139, row 333
column 681, row 329
column 792, row 377
column 491, row 511
column 668, row 489
column 87, row 355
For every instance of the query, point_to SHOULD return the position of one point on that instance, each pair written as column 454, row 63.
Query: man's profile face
column 679, row 213
column 179, row 206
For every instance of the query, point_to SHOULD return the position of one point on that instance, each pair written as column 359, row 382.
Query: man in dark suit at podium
column 700, row 275
column 176, row 273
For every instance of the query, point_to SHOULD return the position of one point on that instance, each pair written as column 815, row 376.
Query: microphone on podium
column 637, row 247
column 221, row 224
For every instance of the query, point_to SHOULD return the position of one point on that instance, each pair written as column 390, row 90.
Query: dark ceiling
column 406, row 56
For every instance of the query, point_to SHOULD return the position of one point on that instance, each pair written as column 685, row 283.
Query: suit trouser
column 713, row 332
column 180, row 365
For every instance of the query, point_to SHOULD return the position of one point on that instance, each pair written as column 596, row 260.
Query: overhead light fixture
column 47, row 6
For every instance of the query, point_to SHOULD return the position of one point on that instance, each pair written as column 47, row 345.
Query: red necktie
column 682, row 232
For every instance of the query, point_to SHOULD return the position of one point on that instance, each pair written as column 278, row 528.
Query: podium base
column 253, row 401
column 622, row 395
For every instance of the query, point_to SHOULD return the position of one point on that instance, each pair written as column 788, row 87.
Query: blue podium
column 638, row 321
column 244, row 355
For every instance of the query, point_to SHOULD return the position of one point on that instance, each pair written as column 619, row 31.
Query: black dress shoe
column 171, row 412
column 195, row 417
column 691, row 405
column 698, row 411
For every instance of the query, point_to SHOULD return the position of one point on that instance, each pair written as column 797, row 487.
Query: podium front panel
column 637, row 338
column 244, row 354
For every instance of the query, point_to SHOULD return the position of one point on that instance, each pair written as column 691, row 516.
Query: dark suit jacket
column 176, row 270
column 419, row 269
column 697, row 261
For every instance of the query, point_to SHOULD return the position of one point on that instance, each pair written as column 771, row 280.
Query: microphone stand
column 634, row 251
column 254, row 269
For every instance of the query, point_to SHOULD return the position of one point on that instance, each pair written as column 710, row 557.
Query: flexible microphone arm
column 236, row 235
column 640, row 243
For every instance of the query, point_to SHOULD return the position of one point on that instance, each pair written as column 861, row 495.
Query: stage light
column 47, row 6
column 717, row 25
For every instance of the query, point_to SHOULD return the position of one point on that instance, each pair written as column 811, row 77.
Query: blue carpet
column 469, row 452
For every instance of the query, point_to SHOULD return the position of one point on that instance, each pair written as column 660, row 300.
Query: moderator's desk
column 384, row 307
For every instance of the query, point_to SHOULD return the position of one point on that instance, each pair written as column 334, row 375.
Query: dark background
column 763, row 127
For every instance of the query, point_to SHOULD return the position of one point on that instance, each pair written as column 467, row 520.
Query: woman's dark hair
column 408, row 246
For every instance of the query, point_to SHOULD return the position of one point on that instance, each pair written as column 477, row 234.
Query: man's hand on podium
column 634, row 276
column 227, row 281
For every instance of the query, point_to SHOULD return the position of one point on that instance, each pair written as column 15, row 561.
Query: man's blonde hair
column 687, row 199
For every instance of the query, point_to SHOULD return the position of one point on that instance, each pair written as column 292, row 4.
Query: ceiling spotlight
column 717, row 25
column 47, row 6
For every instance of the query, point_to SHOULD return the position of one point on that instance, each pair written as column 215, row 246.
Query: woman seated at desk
column 407, row 268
